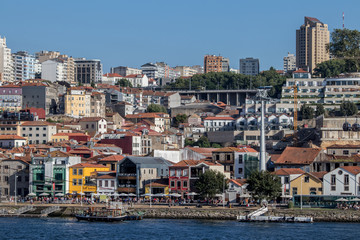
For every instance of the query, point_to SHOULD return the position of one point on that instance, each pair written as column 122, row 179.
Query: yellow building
column 306, row 184
column 81, row 177
column 77, row 102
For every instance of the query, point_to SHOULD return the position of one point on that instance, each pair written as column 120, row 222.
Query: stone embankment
column 210, row 213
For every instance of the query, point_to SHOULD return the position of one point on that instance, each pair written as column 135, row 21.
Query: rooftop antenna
column 343, row 20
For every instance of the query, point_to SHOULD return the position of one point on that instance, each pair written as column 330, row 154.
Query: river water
column 69, row 228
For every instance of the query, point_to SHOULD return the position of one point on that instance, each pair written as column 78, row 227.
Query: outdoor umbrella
column 59, row 195
column 355, row 200
column 131, row 195
column 123, row 195
column 219, row 195
column 147, row 195
column 159, row 195
column 175, row 195
column 341, row 200
column 44, row 195
column 32, row 195
column 192, row 194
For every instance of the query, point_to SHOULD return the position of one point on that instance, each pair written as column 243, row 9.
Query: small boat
column 94, row 214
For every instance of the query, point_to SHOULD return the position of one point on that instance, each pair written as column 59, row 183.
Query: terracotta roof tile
column 295, row 155
column 288, row 171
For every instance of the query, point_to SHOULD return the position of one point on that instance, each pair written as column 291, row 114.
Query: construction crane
column 295, row 88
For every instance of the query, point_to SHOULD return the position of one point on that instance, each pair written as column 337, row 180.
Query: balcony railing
column 127, row 174
column 126, row 186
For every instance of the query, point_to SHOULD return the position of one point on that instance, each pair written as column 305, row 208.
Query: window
column 228, row 157
column 346, row 179
column 74, row 182
column 333, row 188
column 240, row 159
column 106, row 183
column 74, row 171
column 333, row 179
column 346, row 152
column 294, row 191
column 312, row 191
column 19, row 179
column 178, row 172
column 80, row 171
column 172, row 184
column 80, row 182
column 100, row 183
column 185, row 172
column 306, row 179
column 112, row 183
column 346, row 188
column 178, row 184
column 6, row 191
column 286, row 179
column 240, row 170
column 58, row 176
column 172, row 172
column 6, row 179
column 185, row 184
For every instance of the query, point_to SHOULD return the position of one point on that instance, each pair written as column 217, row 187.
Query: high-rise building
column 159, row 70
column 6, row 62
column 225, row 65
column 25, row 66
column 311, row 41
column 88, row 71
column 67, row 63
column 289, row 62
column 53, row 70
column 213, row 63
column 249, row 66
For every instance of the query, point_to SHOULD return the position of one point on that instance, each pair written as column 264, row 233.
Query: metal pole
column 262, row 138
column 150, row 191
column 301, row 193
column 15, row 189
column 223, row 194
column 82, row 183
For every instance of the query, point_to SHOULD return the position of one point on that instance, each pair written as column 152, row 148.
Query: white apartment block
column 250, row 66
column 6, row 62
column 342, row 181
column 219, row 124
column 53, row 70
column 289, row 62
column 25, row 66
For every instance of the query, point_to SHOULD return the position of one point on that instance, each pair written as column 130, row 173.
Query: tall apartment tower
column 213, row 63
column 88, row 71
column 250, row 66
column 25, row 66
column 289, row 62
column 311, row 41
column 6, row 62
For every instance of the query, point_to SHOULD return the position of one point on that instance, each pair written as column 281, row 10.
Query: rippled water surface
column 68, row 228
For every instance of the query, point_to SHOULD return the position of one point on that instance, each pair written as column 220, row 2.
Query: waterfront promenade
column 205, row 212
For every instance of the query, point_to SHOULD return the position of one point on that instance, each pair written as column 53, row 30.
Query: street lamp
column 82, row 184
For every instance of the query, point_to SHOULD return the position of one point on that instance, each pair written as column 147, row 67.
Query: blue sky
column 131, row 33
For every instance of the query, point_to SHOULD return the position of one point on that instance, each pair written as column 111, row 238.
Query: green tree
column 348, row 108
column 124, row 83
column 180, row 118
column 92, row 84
column 263, row 185
column 202, row 142
column 307, row 112
column 189, row 142
column 319, row 110
column 345, row 43
column 216, row 145
column 330, row 68
column 156, row 108
column 210, row 183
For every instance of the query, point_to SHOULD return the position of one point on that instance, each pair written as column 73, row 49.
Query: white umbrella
column 355, row 200
column 59, row 195
column 219, row 195
column 44, row 194
column 147, row 195
column 175, row 195
column 32, row 195
column 192, row 194
column 159, row 195
column 341, row 200
column 123, row 195
column 131, row 195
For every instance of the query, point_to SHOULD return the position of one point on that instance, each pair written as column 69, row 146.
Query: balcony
column 127, row 174
column 127, row 186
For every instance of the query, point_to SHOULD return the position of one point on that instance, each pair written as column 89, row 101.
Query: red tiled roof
column 113, row 158
column 10, row 86
column 219, row 118
column 11, row 137
column 238, row 182
column 300, row 70
column 350, row 146
column 106, row 176
column 134, row 75
column 295, row 155
column 352, row 169
column 288, row 171
column 319, row 175
column 112, row 75
column 90, row 119
column 37, row 123
column 235, row 149
column 89, row 165
column 71, row 134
